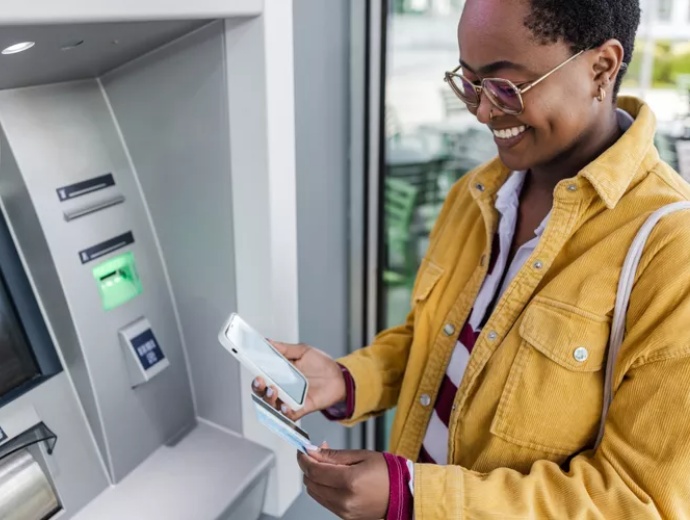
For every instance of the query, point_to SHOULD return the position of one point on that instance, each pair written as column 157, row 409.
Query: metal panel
column 182, row 159
column 70, row 11
column 61, row 134
column 322, row 139
column 105, row 46
column 77, row 471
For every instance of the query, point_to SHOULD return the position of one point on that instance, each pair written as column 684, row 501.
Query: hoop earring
column 491, row 114
column 602, row 94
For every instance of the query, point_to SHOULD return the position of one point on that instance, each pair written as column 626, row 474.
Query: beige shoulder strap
column 625, row 285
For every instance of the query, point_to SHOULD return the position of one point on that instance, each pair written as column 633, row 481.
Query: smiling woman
column 498, row 372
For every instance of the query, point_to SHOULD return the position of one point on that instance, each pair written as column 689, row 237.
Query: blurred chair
column 683, row 85
column 400, row 199
column 667, row 149
column 683, row 151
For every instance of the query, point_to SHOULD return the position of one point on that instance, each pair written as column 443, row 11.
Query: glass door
column 430, row 140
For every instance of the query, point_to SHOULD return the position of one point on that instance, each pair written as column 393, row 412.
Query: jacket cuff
column 346, row 408
column 400, row 499
column 439, row 490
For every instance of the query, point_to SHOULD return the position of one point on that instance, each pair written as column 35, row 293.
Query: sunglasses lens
column 464, row 89
column 505, row 95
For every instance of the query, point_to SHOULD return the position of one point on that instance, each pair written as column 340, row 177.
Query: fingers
column 327, row 475
column 321, row 494
column 259, row 386
column 294, row 415
column 269, row 394
column 292, row 352
column 338, row 457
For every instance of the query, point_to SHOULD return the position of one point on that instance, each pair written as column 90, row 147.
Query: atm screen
column 17, row 364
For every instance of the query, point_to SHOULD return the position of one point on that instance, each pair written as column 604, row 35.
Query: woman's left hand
column 354, row 485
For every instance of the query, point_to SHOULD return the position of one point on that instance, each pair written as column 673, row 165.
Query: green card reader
column 117, row 280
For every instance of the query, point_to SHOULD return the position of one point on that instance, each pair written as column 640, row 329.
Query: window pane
column 665, row 10
column 431, row 141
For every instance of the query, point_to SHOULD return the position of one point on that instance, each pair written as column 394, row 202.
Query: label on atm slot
column 107, row 247
column 85, row 187
column 147, row 349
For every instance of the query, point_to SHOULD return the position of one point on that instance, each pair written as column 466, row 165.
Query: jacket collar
column 611, row 174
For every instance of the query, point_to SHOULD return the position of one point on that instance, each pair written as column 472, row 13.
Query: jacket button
column 425, row 400
column 479, row 186
column 572, row 187
column 493, row 335
column 538, row 264
column 449, row 329
column 581, row 354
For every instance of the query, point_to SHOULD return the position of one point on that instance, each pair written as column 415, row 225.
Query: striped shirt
column 435, row 446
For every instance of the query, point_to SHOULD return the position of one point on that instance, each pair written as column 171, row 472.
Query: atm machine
column 142, row 146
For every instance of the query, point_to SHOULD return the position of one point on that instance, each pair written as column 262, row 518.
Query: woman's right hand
column 326, row 380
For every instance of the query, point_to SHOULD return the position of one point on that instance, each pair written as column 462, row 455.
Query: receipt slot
column 143, row 354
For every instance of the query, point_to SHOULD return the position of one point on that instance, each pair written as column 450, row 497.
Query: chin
column 515, row 161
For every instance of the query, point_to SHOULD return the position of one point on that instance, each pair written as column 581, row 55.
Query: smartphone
column 252, row 350
column 282, row 426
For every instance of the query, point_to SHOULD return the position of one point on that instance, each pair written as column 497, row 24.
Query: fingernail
column 255, row 383
column 314, row 449
column 284, row 409
column 269, row 392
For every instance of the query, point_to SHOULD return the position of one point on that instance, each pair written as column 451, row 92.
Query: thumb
column 337, row 457
column 290, row 351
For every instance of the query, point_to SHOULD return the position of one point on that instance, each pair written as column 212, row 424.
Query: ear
column 607, row 64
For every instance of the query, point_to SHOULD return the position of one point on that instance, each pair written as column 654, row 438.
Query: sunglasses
column 503, row 93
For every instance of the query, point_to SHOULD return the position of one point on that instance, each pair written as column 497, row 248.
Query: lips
column 507, row 133
column 510, row 136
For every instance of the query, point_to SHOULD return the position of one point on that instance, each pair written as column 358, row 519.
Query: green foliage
column 671, row 63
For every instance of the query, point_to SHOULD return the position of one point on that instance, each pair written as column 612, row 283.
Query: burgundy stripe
column 468, row 336
column 400, row 496
column 495, row 250
column 444, row 401
column 424, row 457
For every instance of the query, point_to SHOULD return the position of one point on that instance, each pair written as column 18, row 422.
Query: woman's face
column 560, row 113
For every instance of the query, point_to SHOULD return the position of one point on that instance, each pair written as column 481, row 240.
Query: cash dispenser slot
column 26, row 486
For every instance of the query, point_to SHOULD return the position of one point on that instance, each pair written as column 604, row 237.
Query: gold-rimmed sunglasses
column 503, row 93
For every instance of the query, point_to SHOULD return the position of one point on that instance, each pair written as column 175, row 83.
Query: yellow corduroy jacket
column 526, row 413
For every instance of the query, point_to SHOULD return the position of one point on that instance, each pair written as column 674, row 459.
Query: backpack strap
column 625, row 286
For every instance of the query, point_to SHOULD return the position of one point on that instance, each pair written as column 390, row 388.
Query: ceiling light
column 18, row 47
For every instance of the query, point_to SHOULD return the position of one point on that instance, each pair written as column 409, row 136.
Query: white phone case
column 256, row 371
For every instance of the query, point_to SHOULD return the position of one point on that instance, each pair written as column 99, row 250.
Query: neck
column 545, row 177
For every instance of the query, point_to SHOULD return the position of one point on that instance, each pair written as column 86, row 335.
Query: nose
column 485, row 109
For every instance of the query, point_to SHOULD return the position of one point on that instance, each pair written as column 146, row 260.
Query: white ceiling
column 106, row 46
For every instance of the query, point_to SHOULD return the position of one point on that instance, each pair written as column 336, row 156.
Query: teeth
column 507, row 133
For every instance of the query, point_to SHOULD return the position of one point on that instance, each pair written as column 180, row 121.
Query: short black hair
column 585, row 24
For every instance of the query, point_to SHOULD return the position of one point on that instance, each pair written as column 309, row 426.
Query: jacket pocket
column 553, row 395
column 428, row 277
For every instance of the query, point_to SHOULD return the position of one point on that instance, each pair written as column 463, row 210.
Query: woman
column 497, row 374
